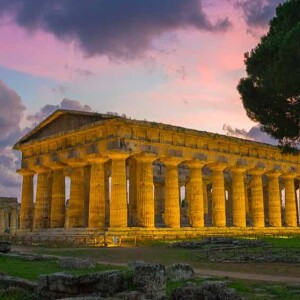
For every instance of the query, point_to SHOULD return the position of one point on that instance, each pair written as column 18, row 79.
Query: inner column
column 218, row 196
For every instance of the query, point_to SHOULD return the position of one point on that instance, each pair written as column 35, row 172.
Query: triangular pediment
column 62, row 121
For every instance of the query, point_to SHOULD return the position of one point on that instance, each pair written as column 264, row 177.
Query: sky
column 171, row 61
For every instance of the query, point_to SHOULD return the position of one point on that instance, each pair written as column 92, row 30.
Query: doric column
column 238, row 197
column 159, row 198
column 172, row 208
column 58, row 198
column 97, row 192
column 41, row 208
column 205, row 195
column 118, row 201
column 195, row 192
column 218, row 195
column 257, row 198
column 2, row 221
column 26, row 213
column 132, row 192
column 145, row 192
column 290, row 200
column 13, row 221
column 274, row 199
column 188, row 199
column 77, row 197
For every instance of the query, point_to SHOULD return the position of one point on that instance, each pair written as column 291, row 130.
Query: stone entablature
column 92, row 148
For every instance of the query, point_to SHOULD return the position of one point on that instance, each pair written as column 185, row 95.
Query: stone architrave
column 97, row 201
column 145, row 190
column 218, row 195
column 27, row 207
column 274, row 199
column 76, row 206
column 238, row 197
column 172, row 208
column 118, row 201
column 290, row 200
column 257, row 198
column 58, row 207
column 195, row 193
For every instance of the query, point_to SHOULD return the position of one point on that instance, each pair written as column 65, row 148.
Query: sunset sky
column 169, row 61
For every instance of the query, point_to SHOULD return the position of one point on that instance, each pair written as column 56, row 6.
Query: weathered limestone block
column 73, row 263
column 61, row 285
column 58, row 209
column 274, row 199
column 76, row 207
column 238, row 197
column 172, row 208
column 290, row 200
column 145, row 195
column 9, row 281
column 180, row 271
column 218, row 195
column 118, row 202
column 133, row 264
column 5, row 246
column 97, row 192
column 257, row 198
column 150, row 279
column 214, row 290
column 27, row 208
column 195, row 194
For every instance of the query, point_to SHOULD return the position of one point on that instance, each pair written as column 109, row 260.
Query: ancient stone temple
column 9, row 215
column 137, row 176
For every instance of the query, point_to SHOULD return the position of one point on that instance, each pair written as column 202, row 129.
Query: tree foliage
column 271, row 90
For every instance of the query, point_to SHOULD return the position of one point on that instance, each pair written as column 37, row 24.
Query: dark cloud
column 48, row 109
column 116, row 28
column 258, row 13
column 254, row 134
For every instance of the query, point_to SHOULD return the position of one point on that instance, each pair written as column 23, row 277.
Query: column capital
column 96, row 158
column 291, row 175
column 237, row 169
column 76, row 162
column 170, row 161
column 26, row 172
column 195, row 164
column 40, row 169
column 256, row 171
column 145, row 157
column 217, row 166
column 273, row 173
column 56, row 165
column 118, row 154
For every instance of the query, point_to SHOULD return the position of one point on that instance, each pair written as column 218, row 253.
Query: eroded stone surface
column 73, row 263
column 180, row 271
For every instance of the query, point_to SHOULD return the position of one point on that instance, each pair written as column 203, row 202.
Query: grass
column 32, row 269
column 284, row 241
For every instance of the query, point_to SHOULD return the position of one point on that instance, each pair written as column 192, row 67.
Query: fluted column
column 13, row 221
column 2, row 221
column 27, row 207
column 77, row 197
column 118, row 202
column 132, row 192
column 58, row 197
column 145, row 192
column 257, row 198
column 290, row 200
column 274, row 199
column 97, row 192
column 172, row 208
column 238, row 197
column 41, row 208
column 218, row 195
column 205, row 195
column 196, row 207
column 188, row 199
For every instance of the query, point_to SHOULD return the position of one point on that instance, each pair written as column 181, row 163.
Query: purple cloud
column 115, row 28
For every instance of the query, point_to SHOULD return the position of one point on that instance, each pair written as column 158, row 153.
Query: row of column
column 8, row 220
column 49, row 209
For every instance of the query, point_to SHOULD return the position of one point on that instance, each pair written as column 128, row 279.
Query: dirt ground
column 273, row 272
